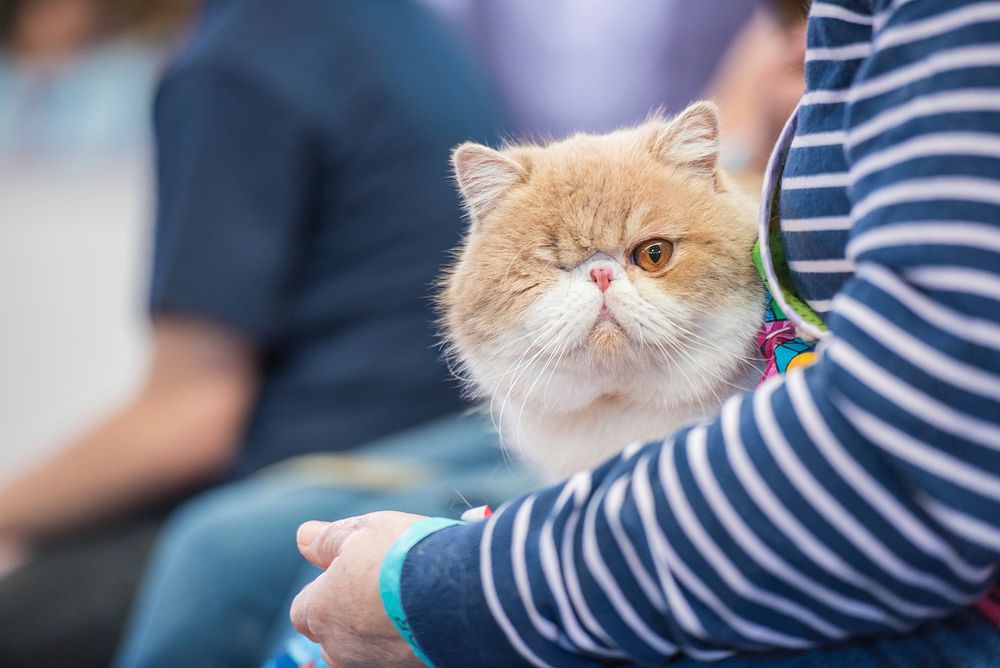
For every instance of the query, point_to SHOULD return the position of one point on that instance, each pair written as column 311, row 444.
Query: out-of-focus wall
column 73, row 266
column 76, row 85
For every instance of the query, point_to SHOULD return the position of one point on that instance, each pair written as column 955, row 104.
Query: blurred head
column 50, row 30
column 791, row 18
column 790, row 13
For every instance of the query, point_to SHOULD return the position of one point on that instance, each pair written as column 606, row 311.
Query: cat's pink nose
column 603, row 277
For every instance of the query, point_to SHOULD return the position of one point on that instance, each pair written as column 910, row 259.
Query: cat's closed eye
column 653, row 254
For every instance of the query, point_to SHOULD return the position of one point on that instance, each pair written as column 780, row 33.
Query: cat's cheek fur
column 485, row 296
column 509, row 363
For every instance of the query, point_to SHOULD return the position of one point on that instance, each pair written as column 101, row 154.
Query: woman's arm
column 861, row 494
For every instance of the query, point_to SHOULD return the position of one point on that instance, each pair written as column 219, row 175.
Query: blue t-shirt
column 304, row 200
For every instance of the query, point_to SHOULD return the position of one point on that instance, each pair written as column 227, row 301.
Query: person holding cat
column 856, row 495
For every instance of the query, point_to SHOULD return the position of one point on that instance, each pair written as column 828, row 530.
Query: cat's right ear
column 690, row 139
column 484, row 175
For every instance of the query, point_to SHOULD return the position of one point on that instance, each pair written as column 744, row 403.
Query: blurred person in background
column 567, row 66
column 758, row 83
column 303, row 211
column 75, row 74
column 592, row 66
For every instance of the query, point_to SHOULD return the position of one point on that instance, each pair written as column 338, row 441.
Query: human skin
column 181, row 428
column 342, row 609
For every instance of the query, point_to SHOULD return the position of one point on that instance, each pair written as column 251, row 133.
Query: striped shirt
column 859, row 495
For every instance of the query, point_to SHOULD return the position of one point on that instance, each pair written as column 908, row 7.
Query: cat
column 604, row 293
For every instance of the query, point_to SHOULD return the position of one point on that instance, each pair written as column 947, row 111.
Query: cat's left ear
column 691, row 139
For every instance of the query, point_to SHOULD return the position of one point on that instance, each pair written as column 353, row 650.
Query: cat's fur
column 522, row 313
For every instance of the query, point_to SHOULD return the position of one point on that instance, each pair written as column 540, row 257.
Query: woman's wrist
column 391, row 572
column 445, row 602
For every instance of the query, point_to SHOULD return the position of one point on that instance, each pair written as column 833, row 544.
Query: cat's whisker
column 709, row 344
column 513, row 368
column 679, row 350
column 500, row 350
column 555, row 367
column 523, row 248
column 498, row 353
column 712, row 388
column 689, row 337
column 552, row 325
column 528, row 364
column 684, row 348
column 462, row 497
column 541, row 373
column 750, row 359
column 672, row 360
column 693, row 339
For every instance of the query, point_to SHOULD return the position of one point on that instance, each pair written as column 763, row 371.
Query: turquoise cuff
column 392, row 571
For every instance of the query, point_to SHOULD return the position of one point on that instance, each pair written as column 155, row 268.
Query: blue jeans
column 226, row 566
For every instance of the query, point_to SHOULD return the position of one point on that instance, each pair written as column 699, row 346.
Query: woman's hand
column 342, row 608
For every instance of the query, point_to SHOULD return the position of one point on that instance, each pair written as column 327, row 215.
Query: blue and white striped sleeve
column 858, row 495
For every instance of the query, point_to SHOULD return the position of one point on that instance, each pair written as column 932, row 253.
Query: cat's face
column 604, row 267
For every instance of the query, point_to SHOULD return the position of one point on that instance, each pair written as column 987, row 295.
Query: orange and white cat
column 604, row 293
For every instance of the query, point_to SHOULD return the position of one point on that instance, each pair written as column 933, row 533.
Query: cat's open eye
column 653, row 254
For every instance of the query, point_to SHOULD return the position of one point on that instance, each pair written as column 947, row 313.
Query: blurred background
column 76, row 83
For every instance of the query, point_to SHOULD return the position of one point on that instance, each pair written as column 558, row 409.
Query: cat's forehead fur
column 604, row 192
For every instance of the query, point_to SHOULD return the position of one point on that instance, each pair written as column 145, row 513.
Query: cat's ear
column 484, row 175
column 691, row 139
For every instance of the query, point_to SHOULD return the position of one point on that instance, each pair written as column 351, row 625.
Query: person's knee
column 188, row 592
column 222, row 572
column 195, row 534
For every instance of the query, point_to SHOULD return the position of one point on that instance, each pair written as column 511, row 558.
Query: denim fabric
column 226, row 567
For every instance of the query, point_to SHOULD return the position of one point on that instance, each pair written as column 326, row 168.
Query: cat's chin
column 607, row 340
column 589, row 411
